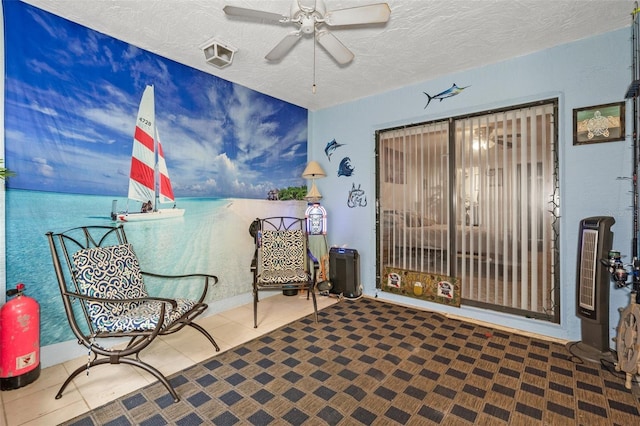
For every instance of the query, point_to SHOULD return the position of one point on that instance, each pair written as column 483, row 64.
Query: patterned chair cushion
column 282, row 258
column 114, row 272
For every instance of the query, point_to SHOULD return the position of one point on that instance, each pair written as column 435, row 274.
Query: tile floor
column 35, row 404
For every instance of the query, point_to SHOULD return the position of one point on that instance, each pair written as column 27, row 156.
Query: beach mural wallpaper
column 71, row 99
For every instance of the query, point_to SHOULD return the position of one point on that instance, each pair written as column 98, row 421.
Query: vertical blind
column 469, row 197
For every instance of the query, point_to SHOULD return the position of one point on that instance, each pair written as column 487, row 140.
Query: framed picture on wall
column 600, row 123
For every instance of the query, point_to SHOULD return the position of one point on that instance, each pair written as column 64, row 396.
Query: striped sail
column 166, row 192
column 142, row 175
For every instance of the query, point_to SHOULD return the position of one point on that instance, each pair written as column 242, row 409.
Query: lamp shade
column 313, row 171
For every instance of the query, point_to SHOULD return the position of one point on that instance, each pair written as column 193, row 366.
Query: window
column 475, row 197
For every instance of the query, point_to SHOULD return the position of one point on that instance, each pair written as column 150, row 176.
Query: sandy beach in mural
column 248, row 209
column 231, row 230
column 216, row 240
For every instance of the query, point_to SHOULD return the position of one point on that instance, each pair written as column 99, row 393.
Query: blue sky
column 71, row 98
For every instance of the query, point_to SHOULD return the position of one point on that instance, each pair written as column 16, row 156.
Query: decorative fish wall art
column 331, row 147
column 451, row 91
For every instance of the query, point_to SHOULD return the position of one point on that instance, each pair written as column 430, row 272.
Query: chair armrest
column 206, row 276
column 172, row 302
column 316, row 264
column 254, row 261
column 205, row 283
column 88, row 340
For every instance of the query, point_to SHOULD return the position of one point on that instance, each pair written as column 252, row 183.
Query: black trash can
column 289, row 291
column 344, row 272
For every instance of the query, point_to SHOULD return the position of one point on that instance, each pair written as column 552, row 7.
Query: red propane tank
column 19, row 340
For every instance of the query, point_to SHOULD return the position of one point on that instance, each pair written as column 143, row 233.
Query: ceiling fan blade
column 340, row 53
column 285, row 45
column 370, row 14
column 255, row 14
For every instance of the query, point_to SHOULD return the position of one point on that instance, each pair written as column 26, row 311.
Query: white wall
column 588, row 72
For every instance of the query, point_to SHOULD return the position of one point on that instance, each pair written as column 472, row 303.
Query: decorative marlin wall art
column 345, row 168
column 451, row 91
column 331, row 147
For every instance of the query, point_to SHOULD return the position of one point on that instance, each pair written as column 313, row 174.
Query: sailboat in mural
column 149, row 181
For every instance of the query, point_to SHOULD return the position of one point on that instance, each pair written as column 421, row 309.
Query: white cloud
column 44, row 169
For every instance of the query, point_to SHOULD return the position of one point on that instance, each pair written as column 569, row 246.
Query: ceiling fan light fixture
column 218, row 53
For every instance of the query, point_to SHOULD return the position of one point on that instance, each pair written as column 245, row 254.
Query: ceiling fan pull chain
column 313, row 87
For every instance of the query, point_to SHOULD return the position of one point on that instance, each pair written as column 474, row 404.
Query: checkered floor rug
column 371, row 362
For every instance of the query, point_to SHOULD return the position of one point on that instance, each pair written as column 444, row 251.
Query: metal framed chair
column 282, row 259
column 105, row 298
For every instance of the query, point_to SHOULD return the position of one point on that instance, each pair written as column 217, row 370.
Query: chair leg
column 148, row 368
column 315, row 304
column 154, row 371
column 206, row 334
column 255, row 308
column 73, row 375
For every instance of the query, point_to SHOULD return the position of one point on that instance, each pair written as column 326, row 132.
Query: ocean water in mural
column 196, row 242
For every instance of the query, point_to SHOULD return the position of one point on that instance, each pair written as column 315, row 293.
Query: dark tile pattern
column 370, row 362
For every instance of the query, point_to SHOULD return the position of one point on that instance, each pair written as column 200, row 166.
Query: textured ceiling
column 423, row 39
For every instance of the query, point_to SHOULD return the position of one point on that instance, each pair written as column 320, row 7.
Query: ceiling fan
column 308, row 16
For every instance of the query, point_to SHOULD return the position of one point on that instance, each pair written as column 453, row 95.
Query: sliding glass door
column 475, row 198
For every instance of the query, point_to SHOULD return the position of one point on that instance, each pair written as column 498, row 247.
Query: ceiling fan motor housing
column 307, row 15
column 307, row 25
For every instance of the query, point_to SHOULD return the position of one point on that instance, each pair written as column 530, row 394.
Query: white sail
column 149, row 177
column 143, row 158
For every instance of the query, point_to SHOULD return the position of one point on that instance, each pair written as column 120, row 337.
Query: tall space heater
column 592, row 292
column 344, row 272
